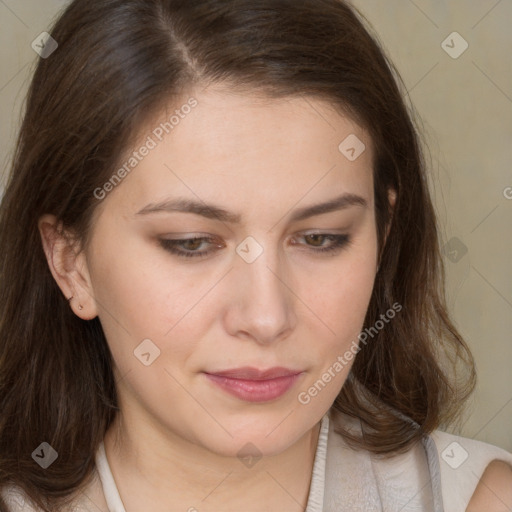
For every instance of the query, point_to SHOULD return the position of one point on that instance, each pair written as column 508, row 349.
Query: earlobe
column 67, row 267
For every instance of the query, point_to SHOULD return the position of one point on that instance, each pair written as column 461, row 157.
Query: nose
column 261, row 305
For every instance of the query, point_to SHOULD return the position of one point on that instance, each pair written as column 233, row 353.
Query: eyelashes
column 188, row 247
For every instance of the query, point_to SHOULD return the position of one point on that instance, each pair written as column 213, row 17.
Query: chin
column 264, row 438
column 250, row 448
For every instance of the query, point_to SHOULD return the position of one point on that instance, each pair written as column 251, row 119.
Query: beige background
column 465, row 105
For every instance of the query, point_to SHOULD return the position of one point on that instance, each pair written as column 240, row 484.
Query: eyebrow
column 211, row 211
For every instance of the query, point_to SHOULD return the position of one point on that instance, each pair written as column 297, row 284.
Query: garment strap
column 359, row 480
column 435, row 471
column 432, row 460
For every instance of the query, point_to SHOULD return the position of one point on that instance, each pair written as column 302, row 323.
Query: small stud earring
column 80, row 307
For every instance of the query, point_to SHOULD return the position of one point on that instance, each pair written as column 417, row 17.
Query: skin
column 494, row 490
column 175, row 441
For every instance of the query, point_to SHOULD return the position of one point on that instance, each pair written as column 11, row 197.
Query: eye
column 336, row 242
column 190, row 247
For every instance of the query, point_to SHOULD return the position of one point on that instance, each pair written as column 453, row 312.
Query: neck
column 160, row 471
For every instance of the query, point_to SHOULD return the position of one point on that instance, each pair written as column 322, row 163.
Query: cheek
column 341, row 298
column 344, row 310
column 343, row 295
column 138, row 288
column 344, row 314
column 140, row 297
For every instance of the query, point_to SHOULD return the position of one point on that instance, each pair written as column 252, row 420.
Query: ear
column 392, row 201
column 68, row 266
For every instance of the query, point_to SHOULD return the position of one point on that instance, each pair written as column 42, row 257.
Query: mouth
column 254, row 385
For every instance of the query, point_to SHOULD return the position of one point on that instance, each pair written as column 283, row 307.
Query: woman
column 230, row 291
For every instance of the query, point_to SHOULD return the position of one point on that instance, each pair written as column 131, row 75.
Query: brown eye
column 316, row 239
column 188, row 247
column 316, row 242
column 192, row 244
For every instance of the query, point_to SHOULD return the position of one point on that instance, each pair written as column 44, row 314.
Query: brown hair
column 118, row 62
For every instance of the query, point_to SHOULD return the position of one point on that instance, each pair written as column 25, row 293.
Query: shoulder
column 454, row 465
column 368, row 481
column 494, row 490
column 463, row 462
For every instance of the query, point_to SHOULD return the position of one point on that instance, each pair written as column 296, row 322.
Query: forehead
column 248, row 150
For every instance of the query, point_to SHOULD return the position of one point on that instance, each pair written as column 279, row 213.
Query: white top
column 438, row 474
column 316, row 490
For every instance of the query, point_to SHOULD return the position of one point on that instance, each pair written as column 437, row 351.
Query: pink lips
column 253, row 385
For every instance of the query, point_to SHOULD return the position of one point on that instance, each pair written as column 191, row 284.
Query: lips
column 255, row 385
column 250, row 373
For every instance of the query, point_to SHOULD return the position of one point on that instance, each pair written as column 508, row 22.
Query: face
column 210, row 251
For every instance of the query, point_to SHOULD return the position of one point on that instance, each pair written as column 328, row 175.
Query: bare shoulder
column 494, row 490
